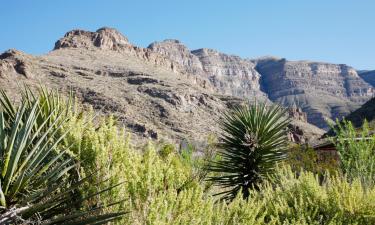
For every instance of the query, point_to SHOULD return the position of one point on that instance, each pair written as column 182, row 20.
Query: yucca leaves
column 19, row 145
column 253, row 139
column 36, row 182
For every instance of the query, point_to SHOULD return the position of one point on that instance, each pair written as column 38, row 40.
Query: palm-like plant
column 34, row 171
column 253, row 140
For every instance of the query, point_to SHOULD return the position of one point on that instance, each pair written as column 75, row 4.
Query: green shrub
column 303, row 157
column 356, row 150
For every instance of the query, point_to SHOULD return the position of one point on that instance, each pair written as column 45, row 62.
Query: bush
column 305, row 158
column 356, row 150
column 162, row 188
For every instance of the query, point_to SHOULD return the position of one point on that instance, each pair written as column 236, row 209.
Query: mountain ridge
column 168, row 90
column 338, row 86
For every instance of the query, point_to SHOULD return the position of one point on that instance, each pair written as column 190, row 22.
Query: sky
column 336, row 31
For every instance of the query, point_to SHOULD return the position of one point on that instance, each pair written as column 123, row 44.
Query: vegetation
column 356, row 151
column 253, row 141
column 164, row 189
column 37, row 182
column 305, row 158
column 166, row 184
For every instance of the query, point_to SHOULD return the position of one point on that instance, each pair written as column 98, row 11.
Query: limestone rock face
column 325, row 91
column 179, row 53
column 229, row 74
column 103, row 38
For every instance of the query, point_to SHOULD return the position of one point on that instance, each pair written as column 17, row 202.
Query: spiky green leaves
column 253, row 140
column 36, row 181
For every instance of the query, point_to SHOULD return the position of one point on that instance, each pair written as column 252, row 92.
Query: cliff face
column 230, row 74
column 325, row 91
column 179, row 53
column 109, row 39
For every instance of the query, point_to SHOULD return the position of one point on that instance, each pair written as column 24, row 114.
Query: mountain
column 229, row 74
column 357, row 117
column 139, row 87
column 324, row 91
column 368, row 76
column 168, row 91
column 365, row 112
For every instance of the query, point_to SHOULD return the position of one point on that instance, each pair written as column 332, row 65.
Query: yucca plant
column 36, row 185
column 50, row 105
column 253, row 140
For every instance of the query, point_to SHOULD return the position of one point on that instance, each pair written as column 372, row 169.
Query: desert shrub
column 337, row 201
column 303, row 157
column 162, row 186
column 356, row 150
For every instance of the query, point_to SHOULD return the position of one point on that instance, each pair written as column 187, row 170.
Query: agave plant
column 34, row 171
column 253, row 140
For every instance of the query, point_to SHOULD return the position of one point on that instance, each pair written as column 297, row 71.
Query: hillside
column 365, row 112
column 368, row 76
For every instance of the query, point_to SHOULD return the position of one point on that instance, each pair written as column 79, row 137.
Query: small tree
column 253, row 140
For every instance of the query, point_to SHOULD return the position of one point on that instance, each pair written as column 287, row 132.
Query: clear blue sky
column 338, row 31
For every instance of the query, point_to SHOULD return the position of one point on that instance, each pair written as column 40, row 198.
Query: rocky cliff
column 324, row 91
column 229, row 74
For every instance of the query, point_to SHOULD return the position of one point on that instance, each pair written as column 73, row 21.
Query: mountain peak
column 104, row 38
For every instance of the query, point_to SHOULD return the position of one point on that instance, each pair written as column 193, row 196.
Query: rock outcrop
column 14, row 62
column 104, row 38
column 151, row 102
column 300, row 131
column 111, row 40
column 177, row 52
